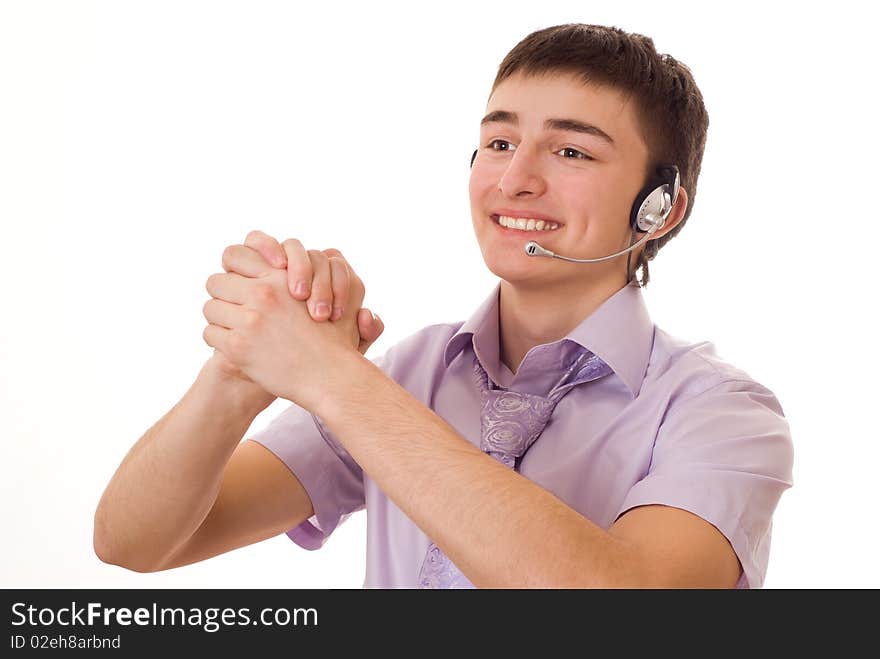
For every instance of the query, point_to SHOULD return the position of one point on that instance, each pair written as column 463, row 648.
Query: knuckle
column 254, row 236
column 293, row 242
column 205, row 334
column 236, row 345
column 251, row 320
column 210, row 283
column 264, row 293
column 206, row 307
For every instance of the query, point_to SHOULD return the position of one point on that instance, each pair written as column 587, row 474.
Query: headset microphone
column 534, row 249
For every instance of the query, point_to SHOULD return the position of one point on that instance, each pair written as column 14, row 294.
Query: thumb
column 370, row 328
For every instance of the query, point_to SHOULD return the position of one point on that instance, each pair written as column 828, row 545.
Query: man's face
column 528, row 167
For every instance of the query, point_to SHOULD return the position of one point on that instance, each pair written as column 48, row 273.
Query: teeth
column 524, row 224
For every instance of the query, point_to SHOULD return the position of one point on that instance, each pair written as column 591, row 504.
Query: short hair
column 668, row 104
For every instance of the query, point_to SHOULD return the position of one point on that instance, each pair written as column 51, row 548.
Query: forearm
column 168, row 481
column 498, row 527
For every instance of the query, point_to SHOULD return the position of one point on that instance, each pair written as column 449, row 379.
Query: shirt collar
column 619, row 331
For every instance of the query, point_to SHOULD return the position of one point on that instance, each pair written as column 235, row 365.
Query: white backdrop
column 138, row 139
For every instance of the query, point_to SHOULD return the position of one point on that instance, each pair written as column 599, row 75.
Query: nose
column 523, row 175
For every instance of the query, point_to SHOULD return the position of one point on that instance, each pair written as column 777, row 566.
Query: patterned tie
column 510, row 423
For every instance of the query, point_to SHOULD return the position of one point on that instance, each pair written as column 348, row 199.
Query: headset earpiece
column 656, row 199
column 473, row 157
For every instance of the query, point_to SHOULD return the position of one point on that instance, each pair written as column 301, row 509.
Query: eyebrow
column 503, row 116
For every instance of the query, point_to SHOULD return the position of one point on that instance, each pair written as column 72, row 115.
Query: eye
column 509, row 145
column 577, row 154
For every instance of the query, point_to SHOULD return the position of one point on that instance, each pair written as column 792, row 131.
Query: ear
column 675, row 214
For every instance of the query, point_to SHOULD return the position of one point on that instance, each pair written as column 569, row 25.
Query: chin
column 516, row 270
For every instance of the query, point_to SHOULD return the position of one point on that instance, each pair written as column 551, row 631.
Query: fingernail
column 322, row 309
column 375, row 317
column 337, row 313
column 302, row 287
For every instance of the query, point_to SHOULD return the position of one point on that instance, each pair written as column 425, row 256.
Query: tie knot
column 510, row 420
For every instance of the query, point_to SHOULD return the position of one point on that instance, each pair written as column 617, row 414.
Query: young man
column 557, row 438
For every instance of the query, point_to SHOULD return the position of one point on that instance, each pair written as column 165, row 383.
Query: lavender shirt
column 673, row 424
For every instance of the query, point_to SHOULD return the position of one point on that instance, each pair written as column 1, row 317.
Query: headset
column 648, row 214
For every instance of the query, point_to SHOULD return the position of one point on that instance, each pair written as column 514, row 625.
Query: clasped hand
column 272, row 331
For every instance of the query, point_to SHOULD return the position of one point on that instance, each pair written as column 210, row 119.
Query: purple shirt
column 673, row 424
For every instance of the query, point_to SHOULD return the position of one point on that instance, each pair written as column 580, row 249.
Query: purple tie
column 510, row 423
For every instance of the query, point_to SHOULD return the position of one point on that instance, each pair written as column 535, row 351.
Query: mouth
column 524, row 226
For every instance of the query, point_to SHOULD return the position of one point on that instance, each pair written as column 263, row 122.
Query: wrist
column 240, row 396
column 346, row 372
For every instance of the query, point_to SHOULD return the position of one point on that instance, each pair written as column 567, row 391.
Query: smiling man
column 555, row 438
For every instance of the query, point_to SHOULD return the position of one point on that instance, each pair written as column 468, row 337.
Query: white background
column 138, row 139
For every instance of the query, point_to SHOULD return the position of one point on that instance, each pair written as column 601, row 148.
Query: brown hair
column 668, row 104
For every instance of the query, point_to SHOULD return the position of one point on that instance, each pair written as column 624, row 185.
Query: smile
column 524, row 224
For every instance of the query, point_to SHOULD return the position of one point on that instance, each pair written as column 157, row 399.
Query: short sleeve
column 328, row 473
column 725, row 455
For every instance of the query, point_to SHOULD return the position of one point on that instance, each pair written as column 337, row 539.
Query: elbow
column 106, row 554
column 100, row 545
column 106, row 557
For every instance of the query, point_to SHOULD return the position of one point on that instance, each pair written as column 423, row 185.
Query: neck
column 530, row 316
